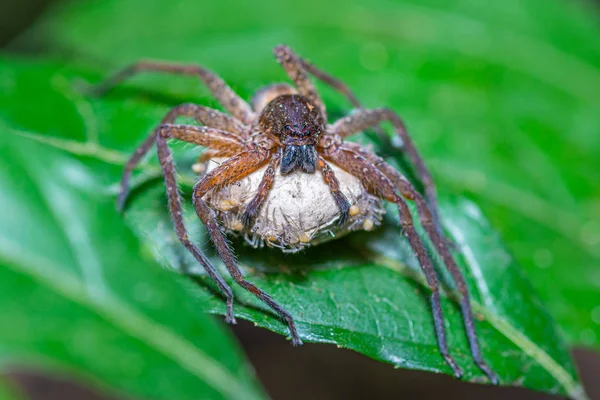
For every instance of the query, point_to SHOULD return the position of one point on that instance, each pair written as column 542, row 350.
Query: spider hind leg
column 376, row 180
column 440, row 243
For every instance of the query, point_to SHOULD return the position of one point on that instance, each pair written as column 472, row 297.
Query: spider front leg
column 227, row 173
column 334, row 187
column 426, row 218
column 204, row 115
column 233, row 103
column 365, row 119
column 296, row 67
column 205, row 137
column 377, row 183
column 331, row 81
column 295, row 70
column 335, row 84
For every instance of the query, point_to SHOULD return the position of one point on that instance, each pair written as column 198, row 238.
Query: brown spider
column 287, row 128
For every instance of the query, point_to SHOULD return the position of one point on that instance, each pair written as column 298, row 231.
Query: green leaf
column 500, row 97
column 79, row 296
column 363, row 292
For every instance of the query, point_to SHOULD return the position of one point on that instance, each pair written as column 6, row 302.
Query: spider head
column 297, row 124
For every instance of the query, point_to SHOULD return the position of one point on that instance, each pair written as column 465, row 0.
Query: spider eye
column 288, row 128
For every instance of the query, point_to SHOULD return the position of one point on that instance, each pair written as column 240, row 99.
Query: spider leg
column 263, row 192
column 399, row 180
column 331, row 81
column 364, row 119
column 408, row 192
column 337, row 85
column 376, row 182
column 166, row 162
column 214, row 139
column 218, row 143
column 295, row 70
column 204, row 115
column 230, row 171
column 334, row 186
column 233, row 103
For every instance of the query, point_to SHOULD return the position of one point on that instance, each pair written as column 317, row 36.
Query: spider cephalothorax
column 284, row 136
column 297, row 124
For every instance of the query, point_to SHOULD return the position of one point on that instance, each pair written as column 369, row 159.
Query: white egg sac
column 300, row 210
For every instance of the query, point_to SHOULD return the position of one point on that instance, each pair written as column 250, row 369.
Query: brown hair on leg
column 166, row 161
column 231, row 171
column 295, row 70
column 337, row 85
column 377, row 183
column 364, row 119
column 204, row 115
column 233, row 103
column 425, row 217
column 215, row 139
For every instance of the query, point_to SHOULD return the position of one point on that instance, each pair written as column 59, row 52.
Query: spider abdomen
column 300, row 210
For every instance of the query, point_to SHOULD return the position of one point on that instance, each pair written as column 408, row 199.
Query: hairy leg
column 166, row 161
column 425, row 217
column 295, row 70
column 331, row 81
column 233, row 103
column 230, row 171
column 226, row 143
column 376, row 182
column 204, row 115
column 337, row 85
column 399, row 180
column 365, row 119
column 264, row 188
column 334, row 187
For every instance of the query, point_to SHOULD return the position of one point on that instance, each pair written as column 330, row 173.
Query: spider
column 285, row 132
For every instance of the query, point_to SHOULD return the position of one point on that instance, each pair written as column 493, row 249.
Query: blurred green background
column 502, row 100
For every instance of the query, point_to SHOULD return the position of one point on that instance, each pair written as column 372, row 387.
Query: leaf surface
column 500, row 98
column 363, row 292
column 80, row 296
